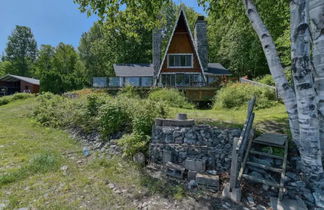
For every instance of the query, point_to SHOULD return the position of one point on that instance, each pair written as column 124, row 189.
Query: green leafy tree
column 44, row 60
column 5, row 67
column 21, row 51
column 60, row 69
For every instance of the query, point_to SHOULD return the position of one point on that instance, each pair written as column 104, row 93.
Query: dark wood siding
column 181, row 43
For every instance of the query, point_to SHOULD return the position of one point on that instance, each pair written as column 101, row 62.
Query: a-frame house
column 184, row 64
column 181, row 64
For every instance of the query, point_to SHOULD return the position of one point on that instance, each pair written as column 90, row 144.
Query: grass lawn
column 31, row 158
column 274, row 119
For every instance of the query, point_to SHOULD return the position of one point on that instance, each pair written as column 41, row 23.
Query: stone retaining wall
column 195, row 147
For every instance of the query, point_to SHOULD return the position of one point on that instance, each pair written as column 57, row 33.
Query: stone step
column 269, row 168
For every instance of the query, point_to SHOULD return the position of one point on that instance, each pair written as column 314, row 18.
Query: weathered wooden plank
column 266, row 154
column 263, row 181
column 272, row 138
column 234, row 166
column 245, row 156
column 284, row 165
column 247, row 125
column 278, row 170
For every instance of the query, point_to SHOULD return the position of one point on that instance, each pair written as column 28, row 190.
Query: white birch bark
column 316, row 13
column 285, row 91
column 306, row 96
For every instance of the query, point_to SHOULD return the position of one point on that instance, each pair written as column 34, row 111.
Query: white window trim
column 180, row 67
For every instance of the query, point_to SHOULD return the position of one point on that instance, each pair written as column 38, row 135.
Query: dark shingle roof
column 217, row 69
column 10, row 77
column 134, row 70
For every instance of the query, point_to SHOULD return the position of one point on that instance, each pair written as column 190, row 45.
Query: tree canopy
column 60, row 69
column 21, row 51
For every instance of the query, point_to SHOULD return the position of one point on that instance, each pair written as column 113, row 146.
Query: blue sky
column 51, row 21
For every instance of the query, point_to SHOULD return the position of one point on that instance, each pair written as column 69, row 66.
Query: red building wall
column 26, row 87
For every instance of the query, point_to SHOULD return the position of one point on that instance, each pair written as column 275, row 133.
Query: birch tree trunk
column 306, row 96
column 316, row 13
column 285, row 91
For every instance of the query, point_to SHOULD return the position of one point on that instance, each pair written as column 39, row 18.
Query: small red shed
column 10, row 84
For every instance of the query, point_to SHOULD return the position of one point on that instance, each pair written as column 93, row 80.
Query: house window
column 180, row 61
column 114, row 82
column 168, row 80
column 146, row 81
column 132, row 81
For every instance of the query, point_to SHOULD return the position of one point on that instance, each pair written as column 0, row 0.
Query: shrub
column 17, row 96
column 134, row 143
column 129, row 91
column 54, row 110
column 144, row 114
column 267, row 79
column 172, row 97
column 106, row 115
column 236, row 95
column 112, row 118
column 4, row 100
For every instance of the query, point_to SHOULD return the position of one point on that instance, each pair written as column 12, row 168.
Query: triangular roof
column 182, row 12
column 10, row 77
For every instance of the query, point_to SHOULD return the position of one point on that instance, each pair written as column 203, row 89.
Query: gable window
column 180, row 61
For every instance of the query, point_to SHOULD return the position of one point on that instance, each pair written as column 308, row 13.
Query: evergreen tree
column 21, row 51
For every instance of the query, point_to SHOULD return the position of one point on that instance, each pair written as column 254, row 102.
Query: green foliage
column 113, row 117
column 103, row 114
column 267, row 79
column 40, row 163
column 6, row 67
column 236, row 95
column 172, row 97
column 7, row 99
column 123, row 39
column 54, row 110
column 21, row 51
column 234, row 43
column 144, row 114
column 129, row 91
column 60, row 69
column 133, row 143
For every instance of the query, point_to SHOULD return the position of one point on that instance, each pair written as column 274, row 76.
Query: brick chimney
column 201, row 40
column 156, row 51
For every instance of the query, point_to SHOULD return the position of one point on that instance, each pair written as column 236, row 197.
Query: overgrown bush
column 133, row 143
column 267, row 79
column 112, row 118
column 236, row 95
column 172, row 97
column 4, row 100
column 54, row 110
column 103, row 114
column 86, row 111
column 17, row 96
column 129, row 91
